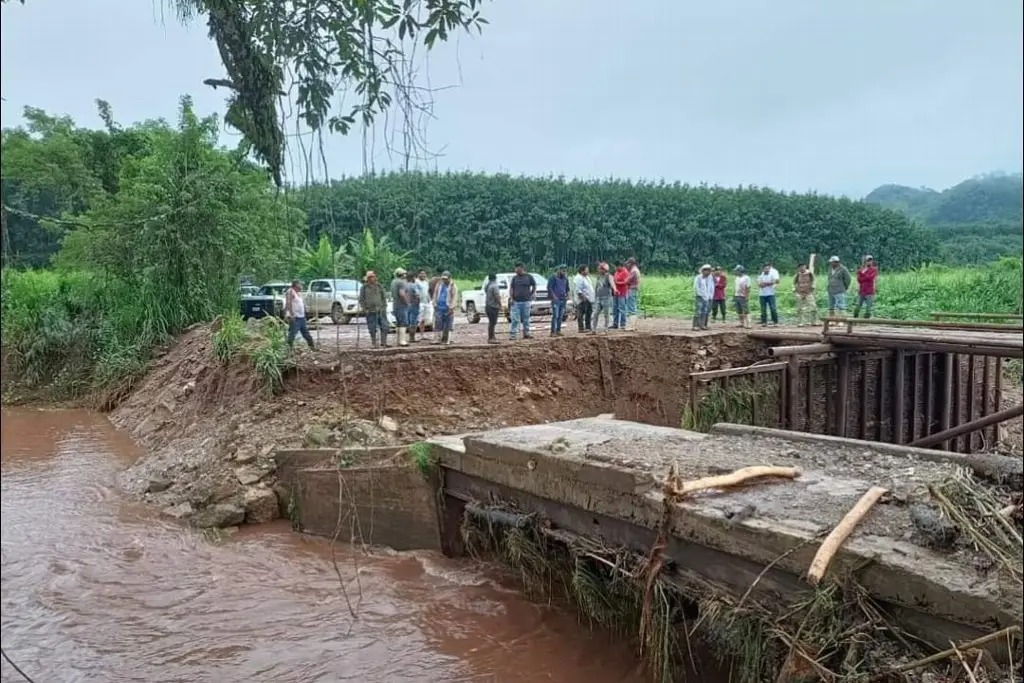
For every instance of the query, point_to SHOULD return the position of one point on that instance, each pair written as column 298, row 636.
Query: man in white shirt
column 741, row 296
column 766, row 283
column 295, row 314
column 584, row 299
column 703, row 293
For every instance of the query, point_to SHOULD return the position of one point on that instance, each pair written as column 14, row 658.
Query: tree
column 187, row 219
column 320, row 47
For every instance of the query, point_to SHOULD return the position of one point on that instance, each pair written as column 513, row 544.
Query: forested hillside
column 976, row 220
column 475, row 222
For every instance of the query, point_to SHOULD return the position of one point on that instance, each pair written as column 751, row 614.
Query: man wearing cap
column 767, row 281
column 373, row 303
column 446, row 299
column 558, row 290
column 838, row 283
column 866, row 275
column 704, row 293
column 521, row 290
column 400, row 305
column 604, row 296
column 741, row 296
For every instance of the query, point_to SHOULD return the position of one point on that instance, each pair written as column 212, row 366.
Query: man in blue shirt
column 446, row 299
column 558, row 290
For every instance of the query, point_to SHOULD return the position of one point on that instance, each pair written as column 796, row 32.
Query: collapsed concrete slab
column 604, row 479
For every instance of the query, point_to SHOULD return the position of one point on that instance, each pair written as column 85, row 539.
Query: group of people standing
column 610, row 301
column 408, row 291
column 711, row 283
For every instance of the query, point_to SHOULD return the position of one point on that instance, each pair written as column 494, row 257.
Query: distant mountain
column 977, row 220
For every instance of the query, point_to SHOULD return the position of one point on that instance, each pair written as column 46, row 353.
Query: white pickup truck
column 473, row 301
column 336, row 298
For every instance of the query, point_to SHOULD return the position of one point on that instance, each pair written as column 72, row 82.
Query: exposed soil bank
column 209, row 430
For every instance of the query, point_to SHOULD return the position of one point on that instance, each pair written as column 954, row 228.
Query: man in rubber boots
column 400, row 305
column 373, row 303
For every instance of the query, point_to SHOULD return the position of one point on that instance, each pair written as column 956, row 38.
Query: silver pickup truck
column 472, row 302
column 336, row 298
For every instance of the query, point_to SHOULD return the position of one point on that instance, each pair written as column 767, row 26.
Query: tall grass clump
column 269, row 356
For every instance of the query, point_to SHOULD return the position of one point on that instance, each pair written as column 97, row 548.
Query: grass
column 265, row 347
column 914, row 294
column 420, row 454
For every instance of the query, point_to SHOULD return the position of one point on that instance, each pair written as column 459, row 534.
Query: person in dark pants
column 584, row 299
column 295, row 314
column 373, row 303
column 558, row 290
column 767, row 281
column 492, row 307
column 718, row 303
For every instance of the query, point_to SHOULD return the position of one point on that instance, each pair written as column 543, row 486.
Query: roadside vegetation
column 119, row 239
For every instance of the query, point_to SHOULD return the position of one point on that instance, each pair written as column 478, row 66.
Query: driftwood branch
column 834, row 541
column 723, row 481
column 946, row 654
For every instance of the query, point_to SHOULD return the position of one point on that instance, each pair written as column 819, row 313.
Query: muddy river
column 98, row 588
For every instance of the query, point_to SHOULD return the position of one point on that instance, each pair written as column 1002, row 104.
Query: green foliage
column 319, row 261
column 912, row 294
column 475, row 223
column 146, row 252
column 229, row 338
column 369, row 252
column 362, row 252
column 363, row 48
column 422, row 459
column 270, row 357
column 977, row 220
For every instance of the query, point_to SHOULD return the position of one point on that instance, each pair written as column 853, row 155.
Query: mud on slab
column 617, row 469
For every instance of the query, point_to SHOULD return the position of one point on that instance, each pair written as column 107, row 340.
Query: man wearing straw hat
column 703, row 293
column 373, row 303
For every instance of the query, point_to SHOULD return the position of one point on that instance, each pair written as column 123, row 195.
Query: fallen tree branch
column 723, row 481
column 834, row 541
column 946, row 654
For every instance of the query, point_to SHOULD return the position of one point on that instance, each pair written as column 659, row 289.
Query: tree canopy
column 475, row 223
column 976, row 220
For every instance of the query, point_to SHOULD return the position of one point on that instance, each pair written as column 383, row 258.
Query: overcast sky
column 837, row 97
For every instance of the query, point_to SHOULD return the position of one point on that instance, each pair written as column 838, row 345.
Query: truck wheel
column 472, row 314
column 338, row 316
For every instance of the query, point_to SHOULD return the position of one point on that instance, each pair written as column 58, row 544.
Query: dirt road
column 330, row 336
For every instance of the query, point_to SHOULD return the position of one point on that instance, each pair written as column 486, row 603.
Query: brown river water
column 99, row 588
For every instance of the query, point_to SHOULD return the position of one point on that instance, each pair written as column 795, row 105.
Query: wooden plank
column 899, row 390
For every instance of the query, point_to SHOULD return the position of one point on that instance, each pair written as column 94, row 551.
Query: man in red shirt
column 718, row 303
column 866, row 275
column 621, row 282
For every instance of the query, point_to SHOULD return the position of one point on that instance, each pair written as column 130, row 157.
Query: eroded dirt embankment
column 209, row 430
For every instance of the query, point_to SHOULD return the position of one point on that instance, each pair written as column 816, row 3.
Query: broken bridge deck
column 604, row 478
